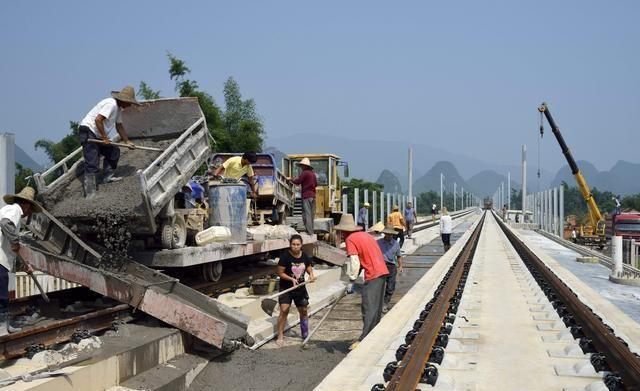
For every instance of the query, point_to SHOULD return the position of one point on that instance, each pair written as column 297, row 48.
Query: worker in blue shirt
column 390, row 249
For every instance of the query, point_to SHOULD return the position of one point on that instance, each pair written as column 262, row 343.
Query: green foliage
column 23, row 177
column 631, row 202
column 238, row 128
column 58, row 151
column 145, row 92
column 425, row 200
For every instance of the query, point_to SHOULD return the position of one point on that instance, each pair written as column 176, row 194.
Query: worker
column 364, row 253
column 410, row 218
column 185, row 198
column 292, row 266
column 434, row 210
column 237, row 167
column 390, row 249
column 96, row 125
column 376, row 230
column 517, row 217
column 18, row 206
column 397, row 221
column 574, row 235
column 617, row 207
column 446, row 228
column 308, row 182
column 363, row 216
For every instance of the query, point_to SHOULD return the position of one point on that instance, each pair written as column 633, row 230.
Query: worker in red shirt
column 364, row 252
column 307, row 181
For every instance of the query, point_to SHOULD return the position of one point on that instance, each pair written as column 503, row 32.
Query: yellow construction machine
column 594, row 233
column 329, row 190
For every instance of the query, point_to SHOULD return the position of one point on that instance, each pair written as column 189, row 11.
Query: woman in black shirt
column 291, row 269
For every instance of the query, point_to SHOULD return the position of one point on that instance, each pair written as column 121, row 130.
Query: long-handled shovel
column 268, row 304
column 122, row 145
column 35, row 281
column 306, row 340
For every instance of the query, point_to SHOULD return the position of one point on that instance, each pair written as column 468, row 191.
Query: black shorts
column 301, row 299
column 446, row 239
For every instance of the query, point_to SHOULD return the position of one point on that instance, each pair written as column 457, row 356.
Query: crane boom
column 594, row 213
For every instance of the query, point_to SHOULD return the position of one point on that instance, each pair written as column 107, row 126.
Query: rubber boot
column 89, row 186
column 108, row 175
column 3, row 324
column 304, row 327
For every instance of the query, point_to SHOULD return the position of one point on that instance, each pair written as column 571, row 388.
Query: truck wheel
column 212, row 271
column 174, row 234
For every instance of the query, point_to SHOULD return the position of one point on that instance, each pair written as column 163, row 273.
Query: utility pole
column 441, row 191
column 462, row 199
column 411, row 173
column 454, row 196
column 524, row 183
column 509, row 190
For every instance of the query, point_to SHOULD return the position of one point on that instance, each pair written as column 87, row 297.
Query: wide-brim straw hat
column 126, row 95
column 347, row 224
column 304, row 162
column 377, row 227
column 389, row 230
column 366, row 205
column 396, row 207
column 28, row 194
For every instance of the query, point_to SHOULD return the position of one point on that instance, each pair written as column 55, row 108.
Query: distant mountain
column 390, row 182
column 431, row 180
column 623, row 178
column 367, row 158
column 25, row 160
column 486, row 182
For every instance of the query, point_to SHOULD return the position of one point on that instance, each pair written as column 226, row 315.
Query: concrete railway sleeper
column 421, row 356
column 430, row 334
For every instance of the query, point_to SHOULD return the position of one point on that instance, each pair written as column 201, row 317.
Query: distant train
column 488, row 203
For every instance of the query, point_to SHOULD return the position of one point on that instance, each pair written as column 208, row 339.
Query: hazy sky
column 464, row 75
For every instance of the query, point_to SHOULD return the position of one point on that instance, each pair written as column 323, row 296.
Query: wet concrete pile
column 114, row 235
column 66, row 201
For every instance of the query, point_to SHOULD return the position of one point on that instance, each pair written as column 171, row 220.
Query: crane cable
column 541, row 135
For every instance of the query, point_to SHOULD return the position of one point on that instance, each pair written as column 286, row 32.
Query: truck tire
column 212, row 271
column 173, row 234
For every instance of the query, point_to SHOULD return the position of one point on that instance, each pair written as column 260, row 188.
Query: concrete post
column 549, row 211
column 462, row 198
column 374, row 207
column 388, row 206
column 366, row 199
column 554, row 210
column 345, row 201
column 524, row 179
column 356, row 203
column 382, row 206
column 561, row 205
column 616, row 244
column 7, row 165
column 633, row 253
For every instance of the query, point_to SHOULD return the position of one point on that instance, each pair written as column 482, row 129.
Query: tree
column 631, row 202
column 426, row 200
column 23, row 177
column 146, row 93
column 58, row 151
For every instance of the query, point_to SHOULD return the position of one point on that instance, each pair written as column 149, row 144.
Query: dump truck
column 329, row 191
column 275, row 197
column 145, row 197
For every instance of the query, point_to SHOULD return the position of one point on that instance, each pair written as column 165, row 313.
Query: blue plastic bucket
column 229, row 209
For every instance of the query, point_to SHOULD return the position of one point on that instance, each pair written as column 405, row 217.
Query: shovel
column 306, row 340
column 268, row 304
column 35, row 281
column 122, row 145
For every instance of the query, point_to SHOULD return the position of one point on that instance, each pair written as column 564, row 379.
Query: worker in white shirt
column 18, row 206
column 95, row 126
column 446, row 228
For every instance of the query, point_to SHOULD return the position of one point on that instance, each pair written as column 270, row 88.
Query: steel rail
column 409, row 373
column 618, row 357
column 16, row 344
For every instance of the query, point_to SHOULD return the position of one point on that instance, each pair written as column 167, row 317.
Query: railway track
column 543, row 337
